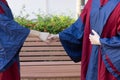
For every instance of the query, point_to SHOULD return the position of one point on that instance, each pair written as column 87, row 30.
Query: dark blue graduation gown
column 12, row 37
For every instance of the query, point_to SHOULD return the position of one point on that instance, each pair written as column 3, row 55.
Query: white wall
column 32, row 7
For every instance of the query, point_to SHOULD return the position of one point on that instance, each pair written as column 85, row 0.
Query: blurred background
column 46, row 15
column 32, row 7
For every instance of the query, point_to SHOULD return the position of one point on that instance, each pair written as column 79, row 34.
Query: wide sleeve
column 72, row 37
column 111, row 52
column 12, row 37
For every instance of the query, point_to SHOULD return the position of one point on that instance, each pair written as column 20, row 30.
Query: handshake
column 47, row 37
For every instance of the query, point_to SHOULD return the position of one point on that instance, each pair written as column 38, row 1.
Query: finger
column 51, row 36
column 91, row 36
column 94, row 32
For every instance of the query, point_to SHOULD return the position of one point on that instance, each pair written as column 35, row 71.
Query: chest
column 112, row 24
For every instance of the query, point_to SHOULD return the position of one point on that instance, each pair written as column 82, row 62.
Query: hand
column 44, row 36
column 53, row 38
column 94, row 38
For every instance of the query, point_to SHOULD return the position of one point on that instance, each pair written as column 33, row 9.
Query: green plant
column 52, row 23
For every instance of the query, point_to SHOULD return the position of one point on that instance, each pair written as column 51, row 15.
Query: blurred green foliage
column 53, row 23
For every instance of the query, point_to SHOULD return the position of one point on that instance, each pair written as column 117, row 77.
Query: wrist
column 57, row 35
column 43, row 36
column 34, row 32
column 99, row 42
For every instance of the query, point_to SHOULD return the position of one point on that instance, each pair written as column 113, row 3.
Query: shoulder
column 1, row 9
column 4, row 1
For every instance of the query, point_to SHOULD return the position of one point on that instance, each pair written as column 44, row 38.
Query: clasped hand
column 94, row 38
column 48, row 38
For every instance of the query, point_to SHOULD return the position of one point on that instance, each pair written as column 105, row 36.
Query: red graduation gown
column 75, row 40
column 110, row 29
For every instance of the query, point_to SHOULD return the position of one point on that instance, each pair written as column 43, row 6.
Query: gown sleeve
column 12, row 37
column 111, row 52
column 71, row 38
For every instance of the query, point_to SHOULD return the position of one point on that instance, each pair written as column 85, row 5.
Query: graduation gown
column 12, row 37
column 97, row 62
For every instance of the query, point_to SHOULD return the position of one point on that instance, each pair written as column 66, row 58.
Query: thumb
column 53, row 36
column 94, row 32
